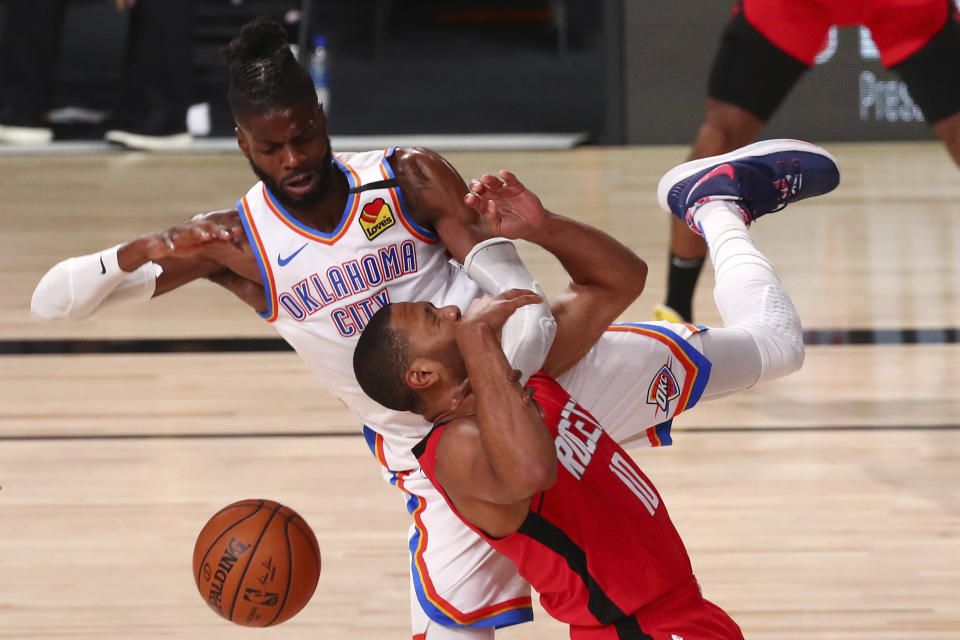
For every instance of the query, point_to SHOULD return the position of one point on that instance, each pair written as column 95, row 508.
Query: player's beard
column 316, row 195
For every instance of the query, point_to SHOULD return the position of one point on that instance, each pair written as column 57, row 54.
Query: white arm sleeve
column 77, row 287
column 495, row 265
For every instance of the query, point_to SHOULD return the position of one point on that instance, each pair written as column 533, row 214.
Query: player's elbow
column 629, row 286
column 635, row 279
column 51, row 299
column 543, row 476
column 548, row 476
column 535, row 476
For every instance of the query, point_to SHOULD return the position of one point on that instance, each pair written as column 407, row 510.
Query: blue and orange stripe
column 375, row 443
column 694, row 363
column 263, row 262
column 659, row 435
column 500, row 614
column 353, row 203
column 396, row 196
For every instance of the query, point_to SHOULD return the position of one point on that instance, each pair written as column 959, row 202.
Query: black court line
column 357, row 433
column 812, row 337
column 147, row 345
column 828, row 337
column 179, row 436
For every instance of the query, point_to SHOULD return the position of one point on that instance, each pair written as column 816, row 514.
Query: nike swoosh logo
column 103, row 268
column 284, row 261
column 722, row 170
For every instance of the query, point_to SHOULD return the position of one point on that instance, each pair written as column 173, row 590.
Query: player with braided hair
column 325, row 239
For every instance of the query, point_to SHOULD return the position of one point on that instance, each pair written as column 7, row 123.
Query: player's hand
column 191, row 237
column 509, row 208
column 493, row 311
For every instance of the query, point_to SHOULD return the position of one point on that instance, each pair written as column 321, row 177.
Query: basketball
column 256, row 563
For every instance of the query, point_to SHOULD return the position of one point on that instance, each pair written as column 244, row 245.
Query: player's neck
column 326, row 214
column 443, row 409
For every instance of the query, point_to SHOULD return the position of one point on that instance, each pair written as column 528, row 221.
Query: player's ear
column 422, row 374
column 242, row 141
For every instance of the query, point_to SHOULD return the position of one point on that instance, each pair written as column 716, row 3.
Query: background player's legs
column 931, row 72
column 749, row 79
column 29, row 54
column 949, row 131
column 159, row 76
column 726, row 127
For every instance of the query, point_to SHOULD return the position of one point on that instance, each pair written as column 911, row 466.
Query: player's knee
column 781, row 346
column 788, row 358
column 775, row 326
column 726, row 127
column 948, row 129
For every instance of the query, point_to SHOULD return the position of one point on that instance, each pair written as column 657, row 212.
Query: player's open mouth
column 302, row 184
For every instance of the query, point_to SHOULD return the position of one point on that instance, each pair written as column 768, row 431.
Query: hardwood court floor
column 824, row 505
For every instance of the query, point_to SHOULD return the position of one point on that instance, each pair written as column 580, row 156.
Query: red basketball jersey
column 598, row 545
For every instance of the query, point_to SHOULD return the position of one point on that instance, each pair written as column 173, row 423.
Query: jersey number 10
column 635, row 482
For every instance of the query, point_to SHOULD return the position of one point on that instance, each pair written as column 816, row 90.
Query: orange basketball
column 256, row 563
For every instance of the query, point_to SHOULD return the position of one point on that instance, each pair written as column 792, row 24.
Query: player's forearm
column 518, row 445
column 590, row 256
column 133, row 255
column 77, row 287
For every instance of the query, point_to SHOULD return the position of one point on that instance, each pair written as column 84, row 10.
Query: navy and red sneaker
column 760, row 178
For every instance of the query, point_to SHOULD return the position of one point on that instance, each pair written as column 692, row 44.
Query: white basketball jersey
column 322, row 288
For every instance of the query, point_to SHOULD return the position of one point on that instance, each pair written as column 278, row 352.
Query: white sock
column 748, row 292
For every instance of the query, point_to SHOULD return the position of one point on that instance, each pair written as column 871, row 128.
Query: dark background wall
column 404, row 66
column 623, row 71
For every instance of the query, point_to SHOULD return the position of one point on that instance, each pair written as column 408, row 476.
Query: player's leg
column 750, row 77
column 923, row 48
column 640, row 375
column 426, row 629
column 718, row 197
column 461, row 589
column 949, row 131
column 29, row 56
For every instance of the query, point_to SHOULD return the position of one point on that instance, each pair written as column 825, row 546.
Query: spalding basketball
column 256, row 563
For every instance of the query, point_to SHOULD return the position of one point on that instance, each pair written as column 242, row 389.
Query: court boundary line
column 54, row 437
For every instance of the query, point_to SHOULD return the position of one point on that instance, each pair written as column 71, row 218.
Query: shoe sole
column 687, row 169
column 25, row 135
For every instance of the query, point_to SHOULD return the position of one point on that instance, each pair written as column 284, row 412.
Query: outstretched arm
column 606, row 275
column 140, row 269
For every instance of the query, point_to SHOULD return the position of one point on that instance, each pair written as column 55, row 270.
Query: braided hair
column 264, row 75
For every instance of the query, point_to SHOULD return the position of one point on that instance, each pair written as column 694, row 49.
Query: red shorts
column 684, row 615
column 799, row 27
